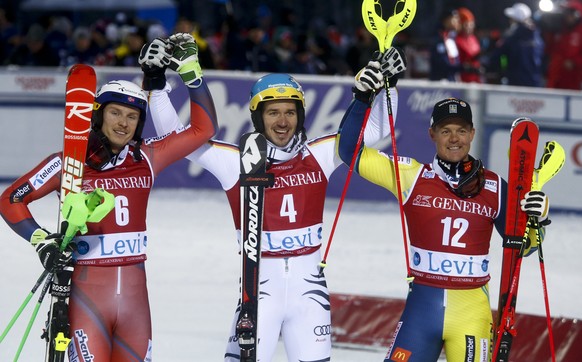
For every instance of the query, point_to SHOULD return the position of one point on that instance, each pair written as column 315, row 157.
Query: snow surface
column 193, row 271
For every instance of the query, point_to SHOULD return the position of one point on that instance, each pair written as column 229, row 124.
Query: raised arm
column 391, row 64
column 180, row 53
column 369, row 92
column 203, row 120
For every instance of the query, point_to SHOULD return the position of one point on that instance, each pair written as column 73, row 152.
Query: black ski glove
column 48, row 250
column 537, row 204
column 392, row 64
column 370, row 79
column 154, row 58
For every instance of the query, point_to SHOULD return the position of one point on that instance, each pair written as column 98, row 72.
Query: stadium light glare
column 546, row 5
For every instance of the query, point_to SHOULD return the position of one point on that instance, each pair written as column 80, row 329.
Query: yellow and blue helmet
column 276, row 86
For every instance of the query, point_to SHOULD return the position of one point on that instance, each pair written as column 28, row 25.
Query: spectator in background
column 9, row 37
column 565, row 50
column 33, row 51
column 233, row 49
column 102, row 42
column 205, row 55
column 320, row 48
column 59, row 30
column 127, row 53
column 82, row 50
column 155, row 30
column 518, row 54
column 284, row 48
column 305, row 61
column 444, row 55
column 469, row 48
column 362, row 47
column 334, row 50
column 257, row 50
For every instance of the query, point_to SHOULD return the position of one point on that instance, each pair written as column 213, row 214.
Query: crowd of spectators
column 523, row 54
column 528, row 52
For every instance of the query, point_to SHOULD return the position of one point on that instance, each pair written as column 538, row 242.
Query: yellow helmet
column 272, row 87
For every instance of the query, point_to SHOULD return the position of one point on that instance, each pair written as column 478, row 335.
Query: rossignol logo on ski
column 82, row 109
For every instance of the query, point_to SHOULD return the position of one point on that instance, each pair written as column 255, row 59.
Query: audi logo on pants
column 322, row 330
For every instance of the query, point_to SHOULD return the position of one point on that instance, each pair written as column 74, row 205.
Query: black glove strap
column 393, row 80
column 366, row 97
column 154, row 83
column 154, row 78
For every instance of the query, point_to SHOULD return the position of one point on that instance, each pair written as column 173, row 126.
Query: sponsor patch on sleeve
column 21, row 191
column 49, row 170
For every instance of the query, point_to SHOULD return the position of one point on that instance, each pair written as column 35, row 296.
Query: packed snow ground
column 193, row 270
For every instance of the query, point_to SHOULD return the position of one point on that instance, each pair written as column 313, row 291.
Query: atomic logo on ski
column 525, row 136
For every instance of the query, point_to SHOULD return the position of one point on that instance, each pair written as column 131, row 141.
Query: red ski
column 79, row 98
column 522, row 156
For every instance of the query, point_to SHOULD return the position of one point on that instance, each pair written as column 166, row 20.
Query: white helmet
column 124, row 92
column 119, row 91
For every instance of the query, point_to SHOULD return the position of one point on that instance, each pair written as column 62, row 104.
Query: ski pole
column 43, row 292
column 96, row 210
column 24, row 304
column 554, row 156
column 385, row 31
column 323, row 262
column 546, row 297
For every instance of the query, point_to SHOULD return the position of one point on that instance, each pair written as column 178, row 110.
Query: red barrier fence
column 370, row 321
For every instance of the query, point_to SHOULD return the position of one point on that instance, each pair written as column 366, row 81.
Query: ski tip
column 519, row 120
column 82, row 69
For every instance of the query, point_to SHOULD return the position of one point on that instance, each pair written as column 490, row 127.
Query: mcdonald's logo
column 400, row 355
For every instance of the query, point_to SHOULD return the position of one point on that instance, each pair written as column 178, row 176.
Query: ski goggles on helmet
column 472, row 179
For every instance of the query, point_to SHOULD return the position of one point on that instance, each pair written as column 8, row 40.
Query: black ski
column 253, row 180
